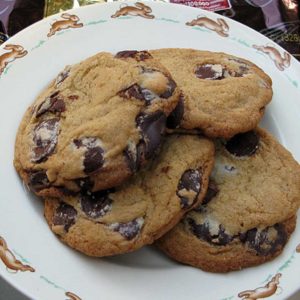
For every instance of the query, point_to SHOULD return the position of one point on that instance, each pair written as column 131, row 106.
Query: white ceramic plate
column 58, row 272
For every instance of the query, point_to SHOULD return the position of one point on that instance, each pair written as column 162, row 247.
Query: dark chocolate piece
column 65, row 215
column 243, row 144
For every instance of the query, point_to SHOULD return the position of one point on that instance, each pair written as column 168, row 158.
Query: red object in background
column 213, row 5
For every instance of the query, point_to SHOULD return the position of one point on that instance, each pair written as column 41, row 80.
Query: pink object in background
column 213, row 5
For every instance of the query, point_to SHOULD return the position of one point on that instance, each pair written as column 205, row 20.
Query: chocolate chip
column 143, row 55
column 62, row 76
column 210, row 72
column 189, row 187
column 45, row 139
column 176, row 115
column 243, row 67
column 134, row 91
column 126, row 54
column 38, row 180
column 65, row 191
column 152, row 127
column 93, row 156
column 85, row 184
column 54, row 104
column 243, row 144
column 78, row 143
column 218, row 72
column 128, row 230
column 223, row 238
column 170, row 89
column 137, row 92
column 96, row 204
column 212, row 191
column 93, row 160
column 138, row 55
column 64, row 215
column 203, row 232
column 266, row 241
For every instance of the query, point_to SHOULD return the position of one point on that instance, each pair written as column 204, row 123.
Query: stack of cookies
column 161, row 146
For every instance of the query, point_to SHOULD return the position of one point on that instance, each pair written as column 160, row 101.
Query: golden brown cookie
column 222, row 95
column 97, row 123
column 249, row 211
column 140, row 211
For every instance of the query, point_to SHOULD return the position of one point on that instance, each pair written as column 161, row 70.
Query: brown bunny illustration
column 72, row 296
column 262, row 292
column 274, row 54
column 10, row 260
column 17, row 51
column 220, row 26
column 141, row 10
column 71, row 21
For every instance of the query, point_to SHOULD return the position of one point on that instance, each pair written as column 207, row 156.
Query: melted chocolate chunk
column 64, row 215
column 210, row 71
column 203, row 232
column 38, row 180
column 95, row 205
column 212, row 191
column 266, row 241
column 189, row 187
column 218, row 72
column 137, row 92
column 176, row 115
column 126, row 54
column 143, row 55
column 45, row 139
column 131, row 158
column 243, row 67
column 137, row 55
column 93, row 160
column 135, row 156
column 62, row 76
column 152, row 127
column 170, row 89
column 93, row 156
column 85, row 184
column 134, row 91
column 53, row 104
column 243, row 144
column 128, row 230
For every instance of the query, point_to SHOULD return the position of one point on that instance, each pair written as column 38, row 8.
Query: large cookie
column 135, row 214
column 96, row 123
column 249, row 211
column 222, row 95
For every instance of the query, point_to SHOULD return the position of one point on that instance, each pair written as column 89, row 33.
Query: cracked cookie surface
column 138, row 212
column 249, row 211
column 222, row 94
column 99, row 121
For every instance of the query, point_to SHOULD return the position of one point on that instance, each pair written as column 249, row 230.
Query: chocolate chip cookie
column 96, row 124
column 249, row 211
column 134, row 214
column 222, row 95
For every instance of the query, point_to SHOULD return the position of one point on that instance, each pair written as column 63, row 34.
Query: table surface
column 8, row 293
